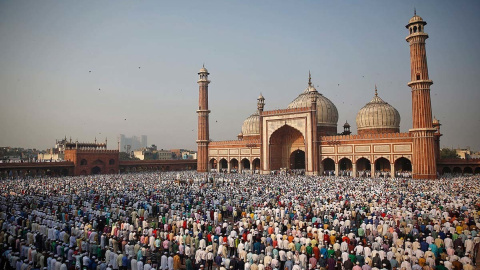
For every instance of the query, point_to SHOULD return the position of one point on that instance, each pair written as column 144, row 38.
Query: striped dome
column 251, row 125
column 327, row 114
column 378, row 114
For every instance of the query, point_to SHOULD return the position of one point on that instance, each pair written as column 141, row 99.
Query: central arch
column 283, row 142
column 297, row 160
column 96, row 170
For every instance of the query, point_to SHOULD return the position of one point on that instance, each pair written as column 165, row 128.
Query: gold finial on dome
column 309, row 79
column 376, row 92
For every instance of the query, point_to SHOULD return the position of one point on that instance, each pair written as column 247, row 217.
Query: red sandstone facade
column 203, row 124
column 423, row 133
column 92, row 158
column 303, row 136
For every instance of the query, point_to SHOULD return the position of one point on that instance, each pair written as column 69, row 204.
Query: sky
column 97, row 69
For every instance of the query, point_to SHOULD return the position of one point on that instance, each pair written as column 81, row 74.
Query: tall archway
column 467, row 170
column 477, row 170
column 382, row 164
column 256, row 164
column 345, row 165
column 402, row 167
column 222, row 164
column 382, row 167
column 96, row 170
column 363, row 166
column 284, row 141
column 234, row 165
column 245, row 164
column 213, row 164
column 297, row 160
column 328, row 166
column 403, row 164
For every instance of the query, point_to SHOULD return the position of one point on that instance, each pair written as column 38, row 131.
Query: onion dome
column 378, row 116
column 203, row 70
column 327, row 114
column 416, row 20
column 251, row 125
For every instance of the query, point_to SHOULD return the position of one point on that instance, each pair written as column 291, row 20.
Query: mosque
column 304, row 136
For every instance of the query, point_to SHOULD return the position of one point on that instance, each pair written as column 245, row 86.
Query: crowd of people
column 170, row 221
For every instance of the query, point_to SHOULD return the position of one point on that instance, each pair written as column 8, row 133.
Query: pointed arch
column 245, row 164
column 282, row 143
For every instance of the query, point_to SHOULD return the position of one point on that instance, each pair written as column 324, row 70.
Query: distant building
column 164, row 154
column 55, row 153
column 189, row 155
column 467, row 153
column 92, row 158
column 128, row 144
column 147, row 153
column 183, row 154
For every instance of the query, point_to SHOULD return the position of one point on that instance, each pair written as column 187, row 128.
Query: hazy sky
column 47, row 49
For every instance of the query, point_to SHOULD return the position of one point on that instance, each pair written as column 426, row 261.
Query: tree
column 447, row 153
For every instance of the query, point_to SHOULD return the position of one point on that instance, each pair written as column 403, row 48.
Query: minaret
column 260, row 107
column 423, row 160
column 203, row 127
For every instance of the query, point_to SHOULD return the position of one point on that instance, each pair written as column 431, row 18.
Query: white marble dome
column 378, row 114
column 251, row 125
column 327, row 114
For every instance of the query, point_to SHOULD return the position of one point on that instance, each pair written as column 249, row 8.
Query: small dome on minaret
column 203, row 70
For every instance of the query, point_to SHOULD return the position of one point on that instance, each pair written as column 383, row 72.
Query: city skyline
column 96, row 70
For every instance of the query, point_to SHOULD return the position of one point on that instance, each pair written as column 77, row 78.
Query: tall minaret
column 423, row 160
column 203, row 127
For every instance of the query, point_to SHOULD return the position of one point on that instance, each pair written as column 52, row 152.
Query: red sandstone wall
column 378, row 131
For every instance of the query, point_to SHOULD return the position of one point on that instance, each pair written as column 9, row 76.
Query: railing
column 156, row 162
column 36, row 164
column 246, row 143
column 364, row 136
column 281, row 111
